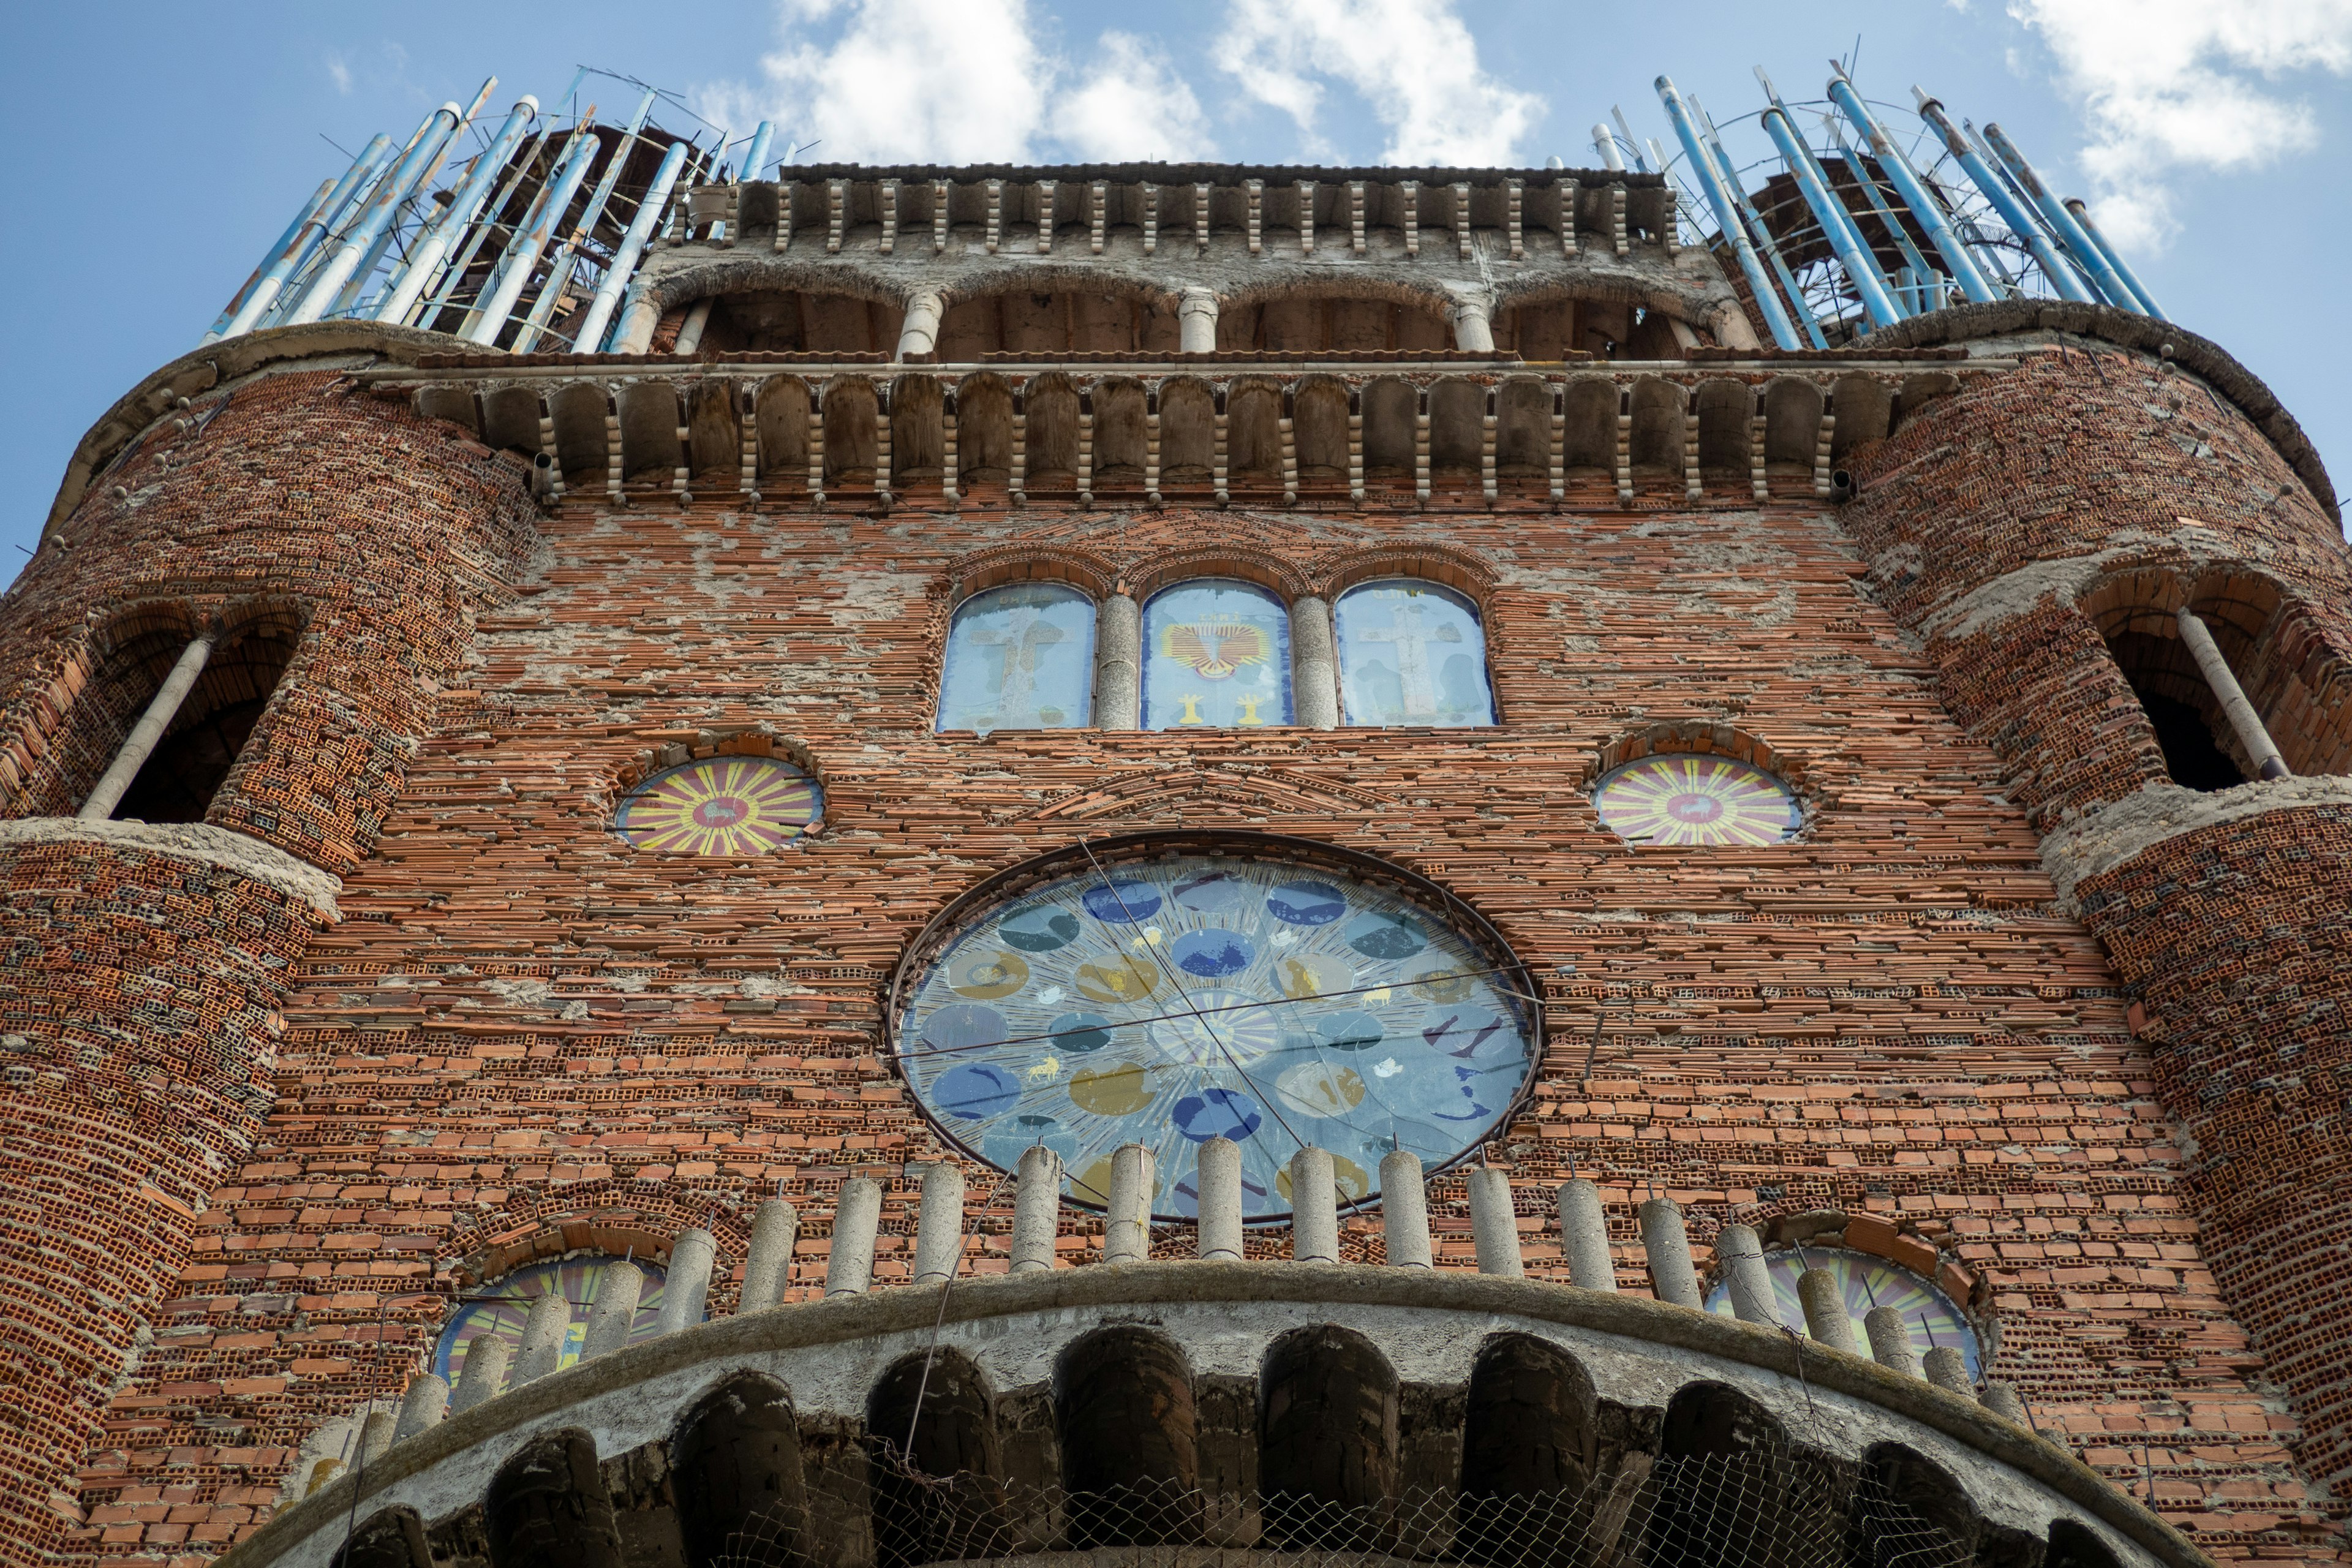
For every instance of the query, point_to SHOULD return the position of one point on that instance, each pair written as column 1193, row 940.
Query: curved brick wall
column 1989, row 519
column 140, row 969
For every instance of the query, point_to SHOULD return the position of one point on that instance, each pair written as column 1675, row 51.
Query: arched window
column 1217, row 655
column 1412, row 653
column 1868, row 1281
column 1020, row 657
column 499, row 1308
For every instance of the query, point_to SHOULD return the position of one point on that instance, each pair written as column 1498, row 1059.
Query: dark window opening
column 2190, row 729
column 2190, row 754
column 205, row 738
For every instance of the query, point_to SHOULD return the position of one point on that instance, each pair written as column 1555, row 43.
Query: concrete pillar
column 376, row 1436
column 2260, row 748
column 638, row 326
column 141, row 742
column 1119, row 663
column 1739, row 1254
column 1890, row 1340
column 920, row 336
column 768, row 1271
column 1405, row 1211
column 1196, row 322
column 544, row 1333
column 1127, row 1225
column 1036, row 1209
column 1584, row 1236
column 426, row 1400
column 1473, row 328
column 1493, row 1224
column 689, row 331
column 1220, row 1184
column 1822, row 1295
column 1667, row 1246
column 2001, row 1399
column 1947, row 1368
column 939, row 1227
column 619, row 1291
column 481, row 1376
column 686, row 1290
column 857, row 1216
column 1313, row 1207
column 1314, row 664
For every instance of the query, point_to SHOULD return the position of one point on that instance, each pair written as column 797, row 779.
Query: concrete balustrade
column 856, row 1218
column 1493, row 1226
column 686, row 1293
column 1036, row 1209
column 1667, row 1244
column 1405, row 1211
column 1219, row 1187
column 768, row 1269
column 620, row 1290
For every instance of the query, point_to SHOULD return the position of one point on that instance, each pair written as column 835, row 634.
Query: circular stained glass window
column 731, row 807
column 1159, row 991
column 1686, row 799
column 500, row 1308
column 1868, row 1281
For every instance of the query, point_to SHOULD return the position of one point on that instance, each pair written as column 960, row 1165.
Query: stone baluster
column 1314, row 664
column 1494, row 1225
column 619, row 1291
column 1219, row 1182
column 481, row 1375
column 1036, row 1209
column 1890, row 1340
column 1739, row 1254
column 1584, row 1236
column 424, row 1406
column 768, row 1271
column 856, row 1217
column 1667, row 1244
column 1405, row 1211
column 1313, row 1207
column 541, row 1344
column 686, row 1291
column 939, row 1227
column 1822, row 1295
column 1127, row 1223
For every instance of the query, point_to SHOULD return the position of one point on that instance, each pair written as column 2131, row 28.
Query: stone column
column 1313, row 1207
column 620, row 1290
column 2260, row 750
column 1890, row 1340
column 1667, row 1246
column 857, row 1216
column 1127, row 1226
column 939, row 1227
column 1220, row 1185
column 1405, row 1211
column 1473, row 327
column 919, row 337
column 1739, row 1253
column 1036, row 1209
column 687, row 1289
column 1823, row 1296
column 1493, row 1225
column 1314, row 665
column 424, row 1405
column 1584, row 1236
column 544, row 1333
column 1196, row 322
column 481, row 1376
column 768, row 1272
column 1119, row 663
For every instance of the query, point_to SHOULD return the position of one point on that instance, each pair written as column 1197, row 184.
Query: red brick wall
column 523, row 1025
column 2232, row 938
column 145, row 986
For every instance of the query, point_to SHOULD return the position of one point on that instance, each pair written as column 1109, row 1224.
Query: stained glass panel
column 1217, row 655
column 725, row 807
column 1170, row 1001
column 500, row 1308
column 1868, row 1281
column 1020, row 657
column 1688, row 799
column 1412, row 653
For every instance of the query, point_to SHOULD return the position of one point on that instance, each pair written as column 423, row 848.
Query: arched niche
column 713, row 431
column 1254, row 432
column 1523, row 431
column 1392, row 413
column 735, row 1464
column 1528, row 1446
column 1327, row 1438
column 216, row 722
column 781, row 412
column 511, row 419
column 1723, row 430
column 1792, row 426
column 1129, row 1433
column 1901, row 1493
column 1188, row 433
column 931, row 1462
column 1589, row 443
column 798, row 320
column 1316, row 322
column 1122, row 436
column 1319, row 431
column 389, row 1538
column 1457, row 428
column 983, row 430
column 850, row 402
column 650, row 445
column 1050, row 436
column 917, row 432
column 548, row 1507
column 578, row 411
column 1657, row 435
column 1865, row 407
column 1055, row 323
column 1730, row 1491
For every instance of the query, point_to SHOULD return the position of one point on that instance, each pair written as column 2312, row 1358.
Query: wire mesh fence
column 1760, row 1506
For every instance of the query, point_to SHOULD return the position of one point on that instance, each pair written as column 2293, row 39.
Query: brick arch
column 1165, row 569
column 1023, row 561
column 1465, row 572
column 611, row 1215
column 1709, row 739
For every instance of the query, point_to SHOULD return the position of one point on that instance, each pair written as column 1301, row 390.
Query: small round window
column 1684, row 798
column 499, row 1308
column 727, row 808
column 1868, row 1282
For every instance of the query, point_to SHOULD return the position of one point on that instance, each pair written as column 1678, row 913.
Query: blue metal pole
column 522, row 256
column 1727, row 218
column 390, row 191
column 2082, row 214
column 1756, row 224
column 559, row 271
column 2022, row 222
column 2093, row 259
column 2084, row 286
column 756, row 158
column 591, row 336
column 1861, row 270
column 1915, row 196
column 284, row 242
column 292, row 254
column 1837, row 207
column 1896, row 228
column 464, row 207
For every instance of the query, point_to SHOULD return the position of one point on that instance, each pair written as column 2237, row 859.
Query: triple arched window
column 1215, row 653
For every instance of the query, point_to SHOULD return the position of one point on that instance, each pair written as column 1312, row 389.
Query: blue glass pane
column 1217, row 655
column 1020, row 657
column 1412, row 653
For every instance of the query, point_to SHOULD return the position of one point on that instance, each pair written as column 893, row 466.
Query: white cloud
column 2172, row 85
column 340, row 73
column 1412, row 62
column 905, row 81
column 1128, row 104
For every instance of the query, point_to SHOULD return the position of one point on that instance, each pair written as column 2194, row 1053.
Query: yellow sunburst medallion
column 724, row 806
column 1696, row 800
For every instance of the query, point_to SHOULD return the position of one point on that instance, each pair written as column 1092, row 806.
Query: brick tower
column 707, row 863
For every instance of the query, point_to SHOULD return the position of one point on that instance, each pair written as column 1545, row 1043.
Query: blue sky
column 160, row 148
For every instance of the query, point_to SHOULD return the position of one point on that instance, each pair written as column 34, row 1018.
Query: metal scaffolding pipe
column 755, row 157
column 139, row 745
column 559, row 270
column 522, row 254
column 265, row 293
column 591, row 336
column 464, row 207
column 1606, row 145
column 390, row 191
column 2022, row 222
column 2251, row 734
column 1861, row 270
column 1838, row 208
column 1757, row 226
column 1726, row 217
column 2115, row 258
column 2091, row 260
column 284, row 243
column 1916, row 194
